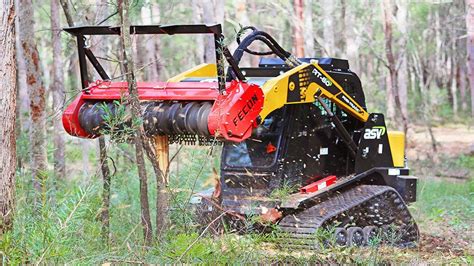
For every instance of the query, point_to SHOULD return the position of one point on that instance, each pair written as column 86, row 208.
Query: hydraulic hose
column 247, row 50
column 268, row 40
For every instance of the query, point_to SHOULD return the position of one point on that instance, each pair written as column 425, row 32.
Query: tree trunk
column 36, row 93
column 454, row 85
column 59, row 95
column 213, row 12
column 298, row 41
column 7, row 114
column 101, row 14
column 67, row 12
column 308, row 30
column 22, row 97
column 392, row 79
column 461, row 80
column 128, row 65
column 402, row 71
column 161, row 152
column 243, row 19
column 470, row 48
column 352, row 40
column 329, row 43
column 105, row 215
column 151, row 15
column 208, row 17
column 199, row 39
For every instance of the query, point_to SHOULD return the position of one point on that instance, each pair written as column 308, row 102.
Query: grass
column 442, row 201
column 284, row 192
column 67, row 229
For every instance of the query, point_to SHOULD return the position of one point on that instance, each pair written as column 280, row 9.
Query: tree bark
column 454, row 85
column 67, row 12
column 151, row 15
column 199, row 39
column 308, row 29
column 402, row 71
column 298, row 41
column 58, row 92
column 161, row 152
column 461, row 80
column 101, row 14
column 128, row 65
column 213, row 12
column 36, row 91
column 208, row 17
column 392, row 78
column 242, row 17
column 352, row 40
column 329, row 43
column 22, row 97
column 7, row 114
column 105, row 215
column 470, row 48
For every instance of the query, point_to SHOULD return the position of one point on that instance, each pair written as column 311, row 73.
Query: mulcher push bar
column 216, row 30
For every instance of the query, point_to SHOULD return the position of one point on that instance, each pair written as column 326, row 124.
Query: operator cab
column 295, row 144
column 260, row 151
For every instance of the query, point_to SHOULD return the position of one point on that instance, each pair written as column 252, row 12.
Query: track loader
column 291, row 124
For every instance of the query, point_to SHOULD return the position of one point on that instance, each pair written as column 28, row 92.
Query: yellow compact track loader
column 297, row 123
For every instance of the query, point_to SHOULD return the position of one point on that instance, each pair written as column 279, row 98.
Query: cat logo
column 374, row 133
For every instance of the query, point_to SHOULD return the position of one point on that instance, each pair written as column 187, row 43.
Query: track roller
column 370, row 234
column 355, row 236
column 341, row 236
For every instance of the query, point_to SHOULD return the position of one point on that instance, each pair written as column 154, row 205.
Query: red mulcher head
column 171, row 108
column 183, row 110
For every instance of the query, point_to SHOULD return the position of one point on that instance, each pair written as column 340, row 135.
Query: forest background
column 416, row 63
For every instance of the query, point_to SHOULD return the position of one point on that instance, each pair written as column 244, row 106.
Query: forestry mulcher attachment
column 291, row 124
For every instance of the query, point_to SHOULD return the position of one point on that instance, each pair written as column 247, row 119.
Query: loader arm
column 304, row 84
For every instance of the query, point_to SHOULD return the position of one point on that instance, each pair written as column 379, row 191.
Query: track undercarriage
column 359, row 216
column 362, row 215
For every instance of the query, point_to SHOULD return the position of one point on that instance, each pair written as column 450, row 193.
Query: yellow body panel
column 396, row 140
column 201, row 71
column 276, row 92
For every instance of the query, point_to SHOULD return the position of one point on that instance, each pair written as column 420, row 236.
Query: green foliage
column 118, row 122
column 67, row 228
column 284, row 191
column 443, row 201
column 465, row 161
column 49, row 232
column 22, row 146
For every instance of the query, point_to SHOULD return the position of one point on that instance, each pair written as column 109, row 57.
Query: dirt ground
column 431, row 158
column 451, row 140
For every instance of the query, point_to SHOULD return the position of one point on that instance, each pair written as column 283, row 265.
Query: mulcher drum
column 361, row 206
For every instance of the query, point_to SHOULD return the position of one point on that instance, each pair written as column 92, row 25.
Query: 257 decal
column 374, row 133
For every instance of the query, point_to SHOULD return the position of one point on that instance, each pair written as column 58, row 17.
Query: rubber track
column 360, row 206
